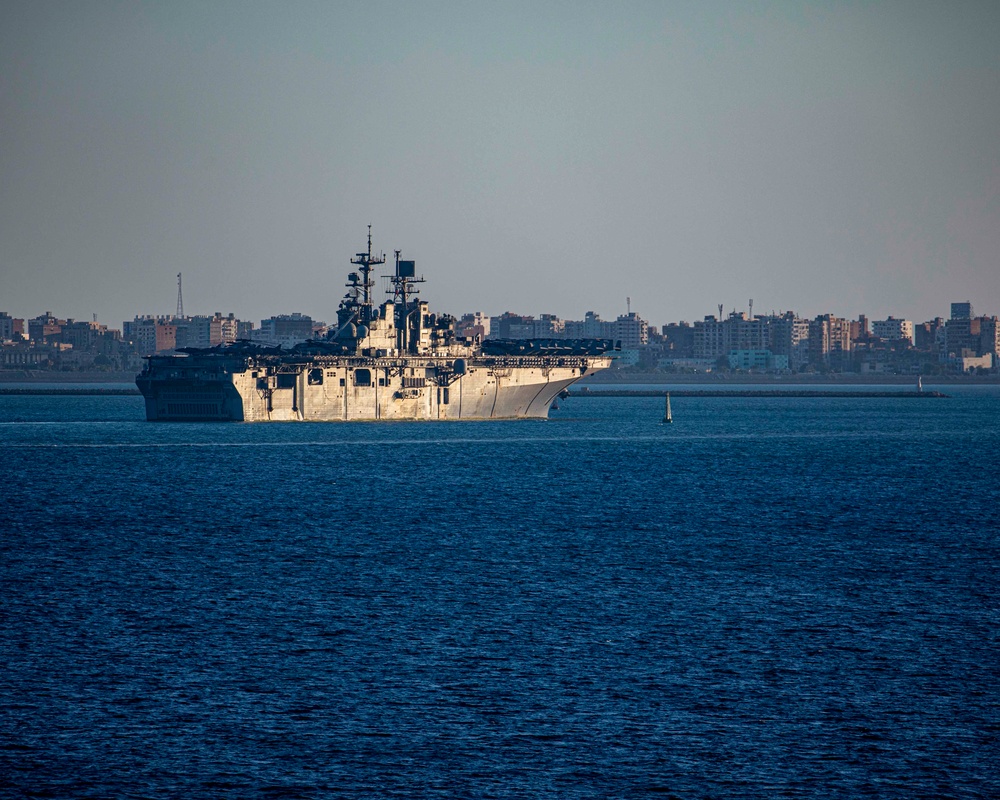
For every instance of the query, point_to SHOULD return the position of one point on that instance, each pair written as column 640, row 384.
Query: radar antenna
column 403, row 292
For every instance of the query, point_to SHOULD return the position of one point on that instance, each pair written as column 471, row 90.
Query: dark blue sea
column 772, row 597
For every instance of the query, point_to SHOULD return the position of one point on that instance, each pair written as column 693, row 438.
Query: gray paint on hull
column 480, row 394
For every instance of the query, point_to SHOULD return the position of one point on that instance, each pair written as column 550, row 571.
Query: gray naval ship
column 396, row 361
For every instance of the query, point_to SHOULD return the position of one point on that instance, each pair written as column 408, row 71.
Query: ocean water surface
column 772, row 597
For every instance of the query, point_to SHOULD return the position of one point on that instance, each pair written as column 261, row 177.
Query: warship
column 394, row 361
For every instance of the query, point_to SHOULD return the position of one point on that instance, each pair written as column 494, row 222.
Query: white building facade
column 892, row 329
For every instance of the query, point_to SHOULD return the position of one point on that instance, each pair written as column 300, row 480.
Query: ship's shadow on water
column 769, row 597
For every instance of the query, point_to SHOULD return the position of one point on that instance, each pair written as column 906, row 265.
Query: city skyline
column 785, row 344
column 816, row 157
column 746, row 310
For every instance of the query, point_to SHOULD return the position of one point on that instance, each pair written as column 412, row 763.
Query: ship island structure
column 394, row 361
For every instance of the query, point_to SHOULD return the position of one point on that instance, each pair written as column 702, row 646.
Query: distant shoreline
column 47, row 376
column 605, row 378
column 610, row 378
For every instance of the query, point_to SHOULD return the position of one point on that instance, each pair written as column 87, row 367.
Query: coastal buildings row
column 785, row 342
column 629, row 329
column 47, row 342
column 774, row 342
column 781, row 342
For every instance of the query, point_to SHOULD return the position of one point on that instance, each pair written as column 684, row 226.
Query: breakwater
column 69, row 390
column 789, row 393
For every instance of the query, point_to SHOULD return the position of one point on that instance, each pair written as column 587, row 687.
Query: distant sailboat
column 667, row 416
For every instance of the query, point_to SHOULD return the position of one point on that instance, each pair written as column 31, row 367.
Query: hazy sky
column 535, row 157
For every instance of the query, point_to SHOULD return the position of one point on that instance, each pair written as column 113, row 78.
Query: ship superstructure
column 394, row 361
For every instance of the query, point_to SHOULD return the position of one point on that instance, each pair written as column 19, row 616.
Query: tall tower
column 180, row 297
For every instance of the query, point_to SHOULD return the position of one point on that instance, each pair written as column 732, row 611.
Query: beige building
column 829, row 340
column 893, row 330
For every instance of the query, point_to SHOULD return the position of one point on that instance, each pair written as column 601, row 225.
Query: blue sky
column 541, row 158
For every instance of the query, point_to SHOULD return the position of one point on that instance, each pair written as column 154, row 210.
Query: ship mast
column 363, row 285
column 402, row 287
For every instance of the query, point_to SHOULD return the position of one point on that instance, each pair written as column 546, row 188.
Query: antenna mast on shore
column 180, row 298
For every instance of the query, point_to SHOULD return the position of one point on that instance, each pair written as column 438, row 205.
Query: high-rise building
column 548, row 326
column 709, row 339
column 746, row 333
column 511, row 326
column 961, row 338
column 829, row 340
column 892, row 330
column 286, row 330
column 150, row 334
column 678, row 339
column 10, row 328
column 715, row 338
column 590, row 327
column 632, row 331
column 989, row 337
column 863, row 333
column 44, row 326
column 789, row 337
column 925, row 334
column 472, row 325
column 961, row 310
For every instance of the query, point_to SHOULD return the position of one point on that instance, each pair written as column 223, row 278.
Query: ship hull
column 355, row 389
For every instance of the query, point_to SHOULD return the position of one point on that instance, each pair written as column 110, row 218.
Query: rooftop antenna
column 720, row 310
column 751, row 308
column 628, row 305
column 180, row 297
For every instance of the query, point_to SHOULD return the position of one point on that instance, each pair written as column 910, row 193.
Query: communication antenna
column 628, row 304
column 720, row 310
column 180, row 298
column 751, row 308
column 404, row 293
